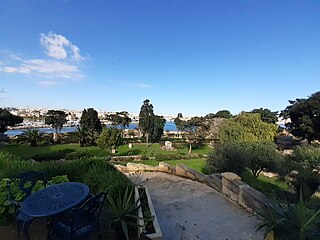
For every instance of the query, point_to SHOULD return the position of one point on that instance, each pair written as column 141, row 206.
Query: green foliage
column 290, row 221
column 304, row 117
column 109, row 138
column 52, row 156
column 7, row 209
column 120, row 118
column 194, row 130
column 266, row 115
column 32, row 135
column 228, row 157
column 91, row 123
column 146, row 119
column 101, row 176
column 56, row 118
column 8, row 119
column 223, row 114
column 302, row 168
column 247, row 127
column 157, row 132
column 262, row 156
column 123, row 210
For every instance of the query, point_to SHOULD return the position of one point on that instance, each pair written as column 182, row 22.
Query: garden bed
column 148, row 223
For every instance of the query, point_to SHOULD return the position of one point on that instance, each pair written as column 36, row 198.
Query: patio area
column 190, row 210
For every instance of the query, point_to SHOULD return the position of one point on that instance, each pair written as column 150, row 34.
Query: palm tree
column 32, row 135
column 82, row 135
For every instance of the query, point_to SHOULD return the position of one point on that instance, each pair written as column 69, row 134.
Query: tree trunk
column 190, row 148
column 147, row 139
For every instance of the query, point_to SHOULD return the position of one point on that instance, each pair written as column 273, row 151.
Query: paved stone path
column 188, row 210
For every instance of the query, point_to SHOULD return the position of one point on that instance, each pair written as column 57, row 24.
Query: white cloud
column 16, row 70
column 59, row 47
column 47, row 83
column 142, row 85
column 63, row 64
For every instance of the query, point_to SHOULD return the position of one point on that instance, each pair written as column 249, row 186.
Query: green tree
column 32, row 135
column 157, row 132
column 120, row 118
column 8, row 119
column 109, row 138
column 194, row 130
column 303, row 170
column 91, row 122
column 304, row 115
column 56, row 118
column 266, row 115
column 82, row 135
column 223, row 114
column 247, row 127
column 261, row 156
column 146, row 119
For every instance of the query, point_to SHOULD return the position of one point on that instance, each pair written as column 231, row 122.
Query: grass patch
column 196, row 164
column 272, row 187
column 25, row 151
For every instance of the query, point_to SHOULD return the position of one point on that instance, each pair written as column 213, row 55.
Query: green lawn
column 25, row 151
column 269, row 186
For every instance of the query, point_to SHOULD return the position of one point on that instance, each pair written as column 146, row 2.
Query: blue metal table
column 55, row 199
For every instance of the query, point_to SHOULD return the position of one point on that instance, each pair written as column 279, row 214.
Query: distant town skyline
column 193, row 57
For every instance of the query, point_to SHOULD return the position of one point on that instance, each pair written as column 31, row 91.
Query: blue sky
column 193, row 57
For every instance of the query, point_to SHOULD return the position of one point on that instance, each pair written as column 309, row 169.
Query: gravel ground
column 188, row 210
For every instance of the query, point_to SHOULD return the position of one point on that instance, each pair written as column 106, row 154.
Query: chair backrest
column 86, row 214
column 26, row 181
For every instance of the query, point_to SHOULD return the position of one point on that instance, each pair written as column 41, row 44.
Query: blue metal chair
column 26, row 182
column 78, row 222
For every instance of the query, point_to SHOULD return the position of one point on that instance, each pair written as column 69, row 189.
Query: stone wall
column 228, row 184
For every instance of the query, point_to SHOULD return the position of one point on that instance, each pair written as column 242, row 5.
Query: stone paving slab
column 188, row 210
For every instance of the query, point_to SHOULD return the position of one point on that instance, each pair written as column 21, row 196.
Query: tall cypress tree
column 146, row 119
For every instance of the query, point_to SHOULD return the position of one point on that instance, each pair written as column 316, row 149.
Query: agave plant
column 123, row 211
column 290, row 221
column 32, row 135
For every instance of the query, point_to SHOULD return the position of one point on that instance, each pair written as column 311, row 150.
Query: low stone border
column 158, row 234
column 228, row 184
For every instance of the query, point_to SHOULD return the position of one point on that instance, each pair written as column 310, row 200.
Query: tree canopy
column 266, row 115
column 120, row 118
column 193, row 129
column 305, row 117
column 109, row 138
column 146, row 119
column 158, row 128
column 8, row 119
column 247, row 127
column 91, row 123
column 219, row 114
column 56, row 118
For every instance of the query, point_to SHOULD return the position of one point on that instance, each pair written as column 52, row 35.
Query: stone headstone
column 168, row 145
column 130, row 145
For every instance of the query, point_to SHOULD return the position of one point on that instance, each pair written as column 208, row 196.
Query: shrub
column 102, row 176
column 228, row 157
column 290, row 221
column 52, row 156
column 302, row 168
column 7, row 210
column 109, row 138
column 78, row 155
column 261, row 156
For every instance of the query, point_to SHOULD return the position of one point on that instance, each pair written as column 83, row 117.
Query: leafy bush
column 290, row 221
column 78, row 155
column 302, row 168
column 7, row 210
column 228, row 157
column 109, row 138
column 102, row 176
column 51, row 156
